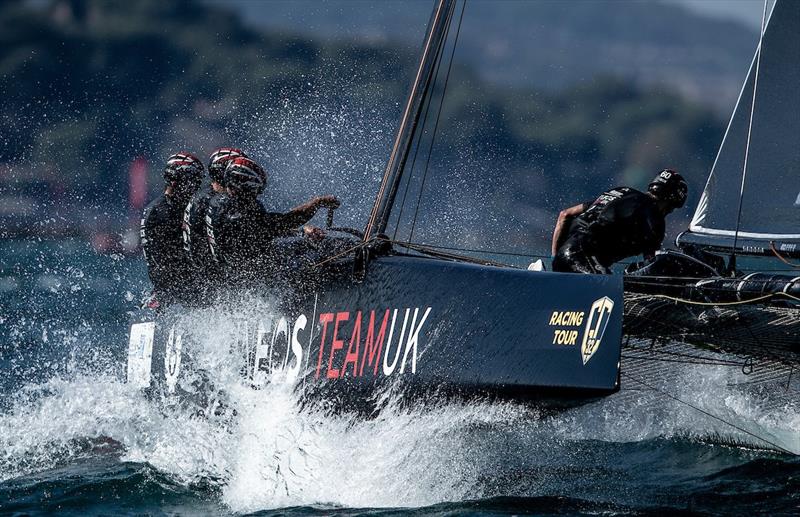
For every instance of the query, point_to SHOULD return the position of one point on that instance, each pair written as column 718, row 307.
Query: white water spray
column 263, row 451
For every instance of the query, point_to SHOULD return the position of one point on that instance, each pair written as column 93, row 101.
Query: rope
column 708, row 414
column 723, row 304
column 345, row 252
column 781, row 257
column 430, row 249
column 488, row 252
column 412, row 246
column 658, row 281
column 749, row 135
column 450, row 256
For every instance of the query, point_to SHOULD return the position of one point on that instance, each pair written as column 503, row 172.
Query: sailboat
column 750, row 211
column 419, row 321
column 429, row 322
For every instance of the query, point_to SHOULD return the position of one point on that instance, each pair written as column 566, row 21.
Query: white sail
column 770, row 211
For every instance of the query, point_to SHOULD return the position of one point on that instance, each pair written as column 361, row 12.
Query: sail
column 770, row 207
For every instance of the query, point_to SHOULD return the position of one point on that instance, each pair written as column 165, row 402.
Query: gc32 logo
column 568, row 323
column 599, row 316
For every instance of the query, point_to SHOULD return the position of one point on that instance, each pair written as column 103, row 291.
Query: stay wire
column 479, row 250
column 376, row 207
column 421, row 132
column 749, row 135
column 772, row 444
column 438, row 116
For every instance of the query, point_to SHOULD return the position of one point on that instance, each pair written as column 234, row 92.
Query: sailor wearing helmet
column 169, row 269
column 195, row 240
column 240, row 229
column 620, row 223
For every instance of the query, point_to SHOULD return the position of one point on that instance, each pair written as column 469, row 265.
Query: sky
column 745, row 11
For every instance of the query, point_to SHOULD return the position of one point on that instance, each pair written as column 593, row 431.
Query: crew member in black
column 195, row 240
column 240, row 230
column 169, row 269
column 621, row 223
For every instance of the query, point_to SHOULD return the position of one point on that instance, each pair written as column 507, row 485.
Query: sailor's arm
column 300, row 215
column 563, row 217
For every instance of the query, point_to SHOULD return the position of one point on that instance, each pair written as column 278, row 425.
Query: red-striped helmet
column 219, row 160
column 245, row 176
column 184, row 171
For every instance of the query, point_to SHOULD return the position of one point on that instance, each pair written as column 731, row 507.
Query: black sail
column 770, row 208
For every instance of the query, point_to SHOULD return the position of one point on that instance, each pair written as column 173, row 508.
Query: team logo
column 599, row 316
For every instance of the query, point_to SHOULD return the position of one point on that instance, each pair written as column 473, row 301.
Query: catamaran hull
column 423, row 327
column 676, row 297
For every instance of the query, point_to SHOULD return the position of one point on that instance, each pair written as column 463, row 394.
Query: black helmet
column 245, row 176
column 184, row 172
column 219, row 160
column 669, row 186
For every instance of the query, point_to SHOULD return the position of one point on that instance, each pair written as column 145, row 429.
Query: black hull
column 425, row 328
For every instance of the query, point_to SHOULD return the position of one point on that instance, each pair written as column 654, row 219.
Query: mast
column 434, row 39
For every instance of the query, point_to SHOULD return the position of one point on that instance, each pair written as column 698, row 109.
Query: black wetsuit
column 170, row 270
column 195, row 238
column 621, row 223
column 240, row 236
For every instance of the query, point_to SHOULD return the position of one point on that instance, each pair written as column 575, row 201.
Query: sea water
column 75, row 438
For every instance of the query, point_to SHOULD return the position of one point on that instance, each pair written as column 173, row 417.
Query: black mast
column 437, row 32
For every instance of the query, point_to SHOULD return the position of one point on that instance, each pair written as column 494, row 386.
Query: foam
column 272, row 454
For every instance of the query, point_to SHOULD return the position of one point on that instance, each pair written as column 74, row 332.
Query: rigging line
column 450, row 256
column 658, row 279
column 404, row 121
column 711, row 415
column 645, row 353
column 478, row 250
column 421, row 131
column 438, row 116
column 659, row 282
column 732, row 265
column 345, row 252
column 723, row 304
column 637, row 296
column 709, row 362
column 781, row 257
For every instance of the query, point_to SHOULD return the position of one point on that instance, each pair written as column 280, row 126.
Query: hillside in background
column 90, row 86
column 551, row 44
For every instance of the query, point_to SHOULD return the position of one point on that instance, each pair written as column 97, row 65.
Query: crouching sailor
column 240, row 230
column 621, row 223
column 170, row 270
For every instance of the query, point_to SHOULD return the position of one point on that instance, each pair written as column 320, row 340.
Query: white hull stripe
column 747, row 235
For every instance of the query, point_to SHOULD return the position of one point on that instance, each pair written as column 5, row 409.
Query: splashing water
column 264, row 451
column 312, row 146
